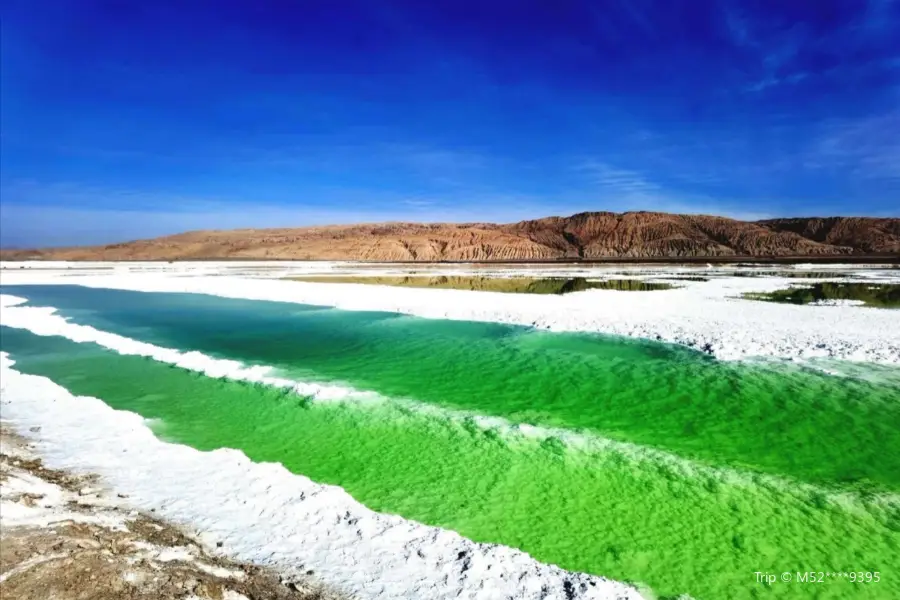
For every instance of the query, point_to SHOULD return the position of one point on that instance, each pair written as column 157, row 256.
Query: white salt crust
column 295, row 524
column 261, row 512
column 708, row 316
column 43, row 321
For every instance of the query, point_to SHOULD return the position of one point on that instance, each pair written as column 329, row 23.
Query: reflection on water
column 877, row 295
column 629, row 285
column 789, row 274
column 517, row 285
column 685, row 277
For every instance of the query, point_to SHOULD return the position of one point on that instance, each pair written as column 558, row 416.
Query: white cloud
column 869, row 146
column 42, row 214
column 609, row 178
column 618, row 190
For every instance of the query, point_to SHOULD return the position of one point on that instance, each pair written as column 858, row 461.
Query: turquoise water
column 675, row 526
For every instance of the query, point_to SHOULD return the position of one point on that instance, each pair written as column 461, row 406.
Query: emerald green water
column 629, row 515
column 600, row 512
column 782, row 421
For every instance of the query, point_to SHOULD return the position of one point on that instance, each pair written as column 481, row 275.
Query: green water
column 679, row 526
column 775, row 420
column 517, row 285
column 601, row 512
column 879, row 295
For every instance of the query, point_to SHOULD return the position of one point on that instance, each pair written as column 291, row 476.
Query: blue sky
column 125, row 119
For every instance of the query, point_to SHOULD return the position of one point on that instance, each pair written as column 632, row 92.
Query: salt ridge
column 275, row 517
column 707, row 316
column 43, row 321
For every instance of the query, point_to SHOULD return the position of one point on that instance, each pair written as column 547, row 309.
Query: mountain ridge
column 586, row 235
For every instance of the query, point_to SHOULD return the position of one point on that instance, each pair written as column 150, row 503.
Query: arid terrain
column 64, row 536
column 593, row 235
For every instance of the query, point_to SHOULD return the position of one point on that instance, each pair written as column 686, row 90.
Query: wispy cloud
column 24, row 225
column 738, row 24
column 772, row 81
column 780, row 49
column 418, row 202
column 869, row 147
column 34, row 213
column 610, row 179
column 771, row 50
column 436, row 165
column 618, row 189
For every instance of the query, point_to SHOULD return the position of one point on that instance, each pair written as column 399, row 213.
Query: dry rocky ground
column 63, row 537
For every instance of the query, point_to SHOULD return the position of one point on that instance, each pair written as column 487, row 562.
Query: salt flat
column 710, row 316
column 279, row 517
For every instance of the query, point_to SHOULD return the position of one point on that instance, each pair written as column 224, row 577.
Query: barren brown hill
column 865, row 234
column 585, row 235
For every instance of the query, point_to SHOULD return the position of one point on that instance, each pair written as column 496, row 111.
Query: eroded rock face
column 865, row 234
column 584, row 235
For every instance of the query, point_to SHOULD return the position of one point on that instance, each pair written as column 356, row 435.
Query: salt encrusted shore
column 44, row 321
column 295, row 526
column 709, row 316
column 283, row 521
column 63, row 536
